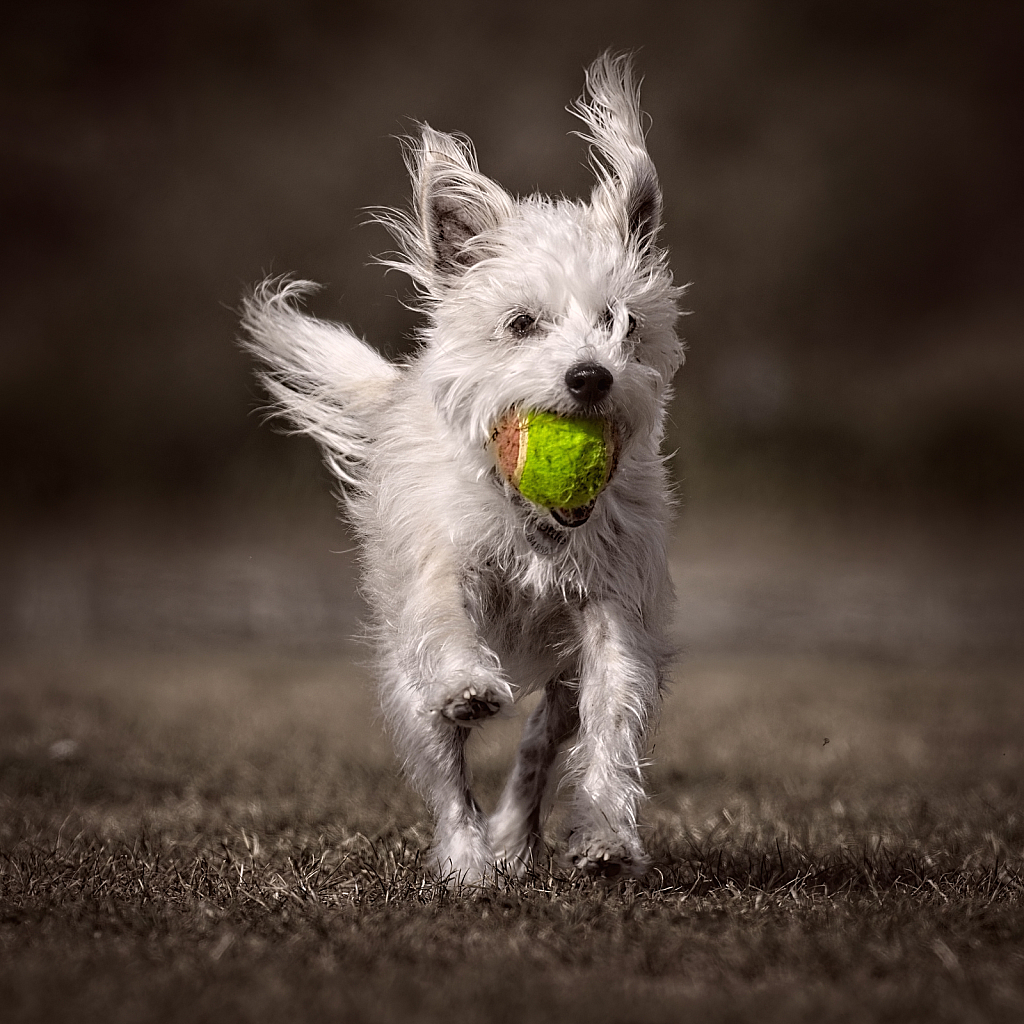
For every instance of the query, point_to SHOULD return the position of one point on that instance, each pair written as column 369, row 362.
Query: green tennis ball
column 560, row 462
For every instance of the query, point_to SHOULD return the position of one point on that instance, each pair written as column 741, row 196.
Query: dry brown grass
column 215, row 836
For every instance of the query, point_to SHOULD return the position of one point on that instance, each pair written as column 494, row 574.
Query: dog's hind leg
column 515, row 826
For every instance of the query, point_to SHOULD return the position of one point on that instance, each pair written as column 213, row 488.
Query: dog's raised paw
column 472, row 706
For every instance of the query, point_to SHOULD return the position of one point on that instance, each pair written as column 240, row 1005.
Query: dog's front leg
column 454, row 672
column 619, row 697
column 440, row 678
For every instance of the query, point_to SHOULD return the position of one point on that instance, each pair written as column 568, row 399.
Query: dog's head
column 535, row 303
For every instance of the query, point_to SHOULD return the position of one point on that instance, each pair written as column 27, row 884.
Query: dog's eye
column 606, row 321
column 522, row 324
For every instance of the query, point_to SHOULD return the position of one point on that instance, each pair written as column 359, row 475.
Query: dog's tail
column 323, row 379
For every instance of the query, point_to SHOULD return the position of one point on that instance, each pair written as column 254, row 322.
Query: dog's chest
column 535, row 636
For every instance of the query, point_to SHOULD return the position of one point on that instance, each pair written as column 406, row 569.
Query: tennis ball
column 560, row 462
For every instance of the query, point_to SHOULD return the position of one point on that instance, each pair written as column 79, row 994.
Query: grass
column 190, row 838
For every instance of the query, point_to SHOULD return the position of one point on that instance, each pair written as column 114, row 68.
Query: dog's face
column 560, row 315
column 547, row 305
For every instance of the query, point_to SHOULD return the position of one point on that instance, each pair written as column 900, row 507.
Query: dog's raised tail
column 324, row 380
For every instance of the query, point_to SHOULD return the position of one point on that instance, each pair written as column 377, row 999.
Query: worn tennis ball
column 560, row 462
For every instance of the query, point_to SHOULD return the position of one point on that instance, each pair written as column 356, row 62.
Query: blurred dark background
column 843, row 187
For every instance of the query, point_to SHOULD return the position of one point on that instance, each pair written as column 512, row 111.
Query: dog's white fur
column 478, row 595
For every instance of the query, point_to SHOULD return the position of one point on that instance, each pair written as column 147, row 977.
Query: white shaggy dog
column 480, row 596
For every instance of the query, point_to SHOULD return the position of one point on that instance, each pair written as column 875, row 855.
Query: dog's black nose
column 588, row 383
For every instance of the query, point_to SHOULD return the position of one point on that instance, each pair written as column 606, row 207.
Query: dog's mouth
column 572, row 517
column 554, row 523
column 556, row 465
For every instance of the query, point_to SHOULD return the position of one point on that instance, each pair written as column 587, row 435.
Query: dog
column 478, row 594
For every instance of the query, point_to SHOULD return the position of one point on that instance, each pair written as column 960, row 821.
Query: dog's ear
column 455, row 205
column 627, row 186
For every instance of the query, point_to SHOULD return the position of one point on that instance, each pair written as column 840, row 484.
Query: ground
column 220, row 832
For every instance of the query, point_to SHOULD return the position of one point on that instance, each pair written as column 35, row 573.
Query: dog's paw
column 604, row 857
column 475, row 703
column 462, row 859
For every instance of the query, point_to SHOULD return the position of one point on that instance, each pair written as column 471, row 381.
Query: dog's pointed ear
column 455, row 205
column 627, row 186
